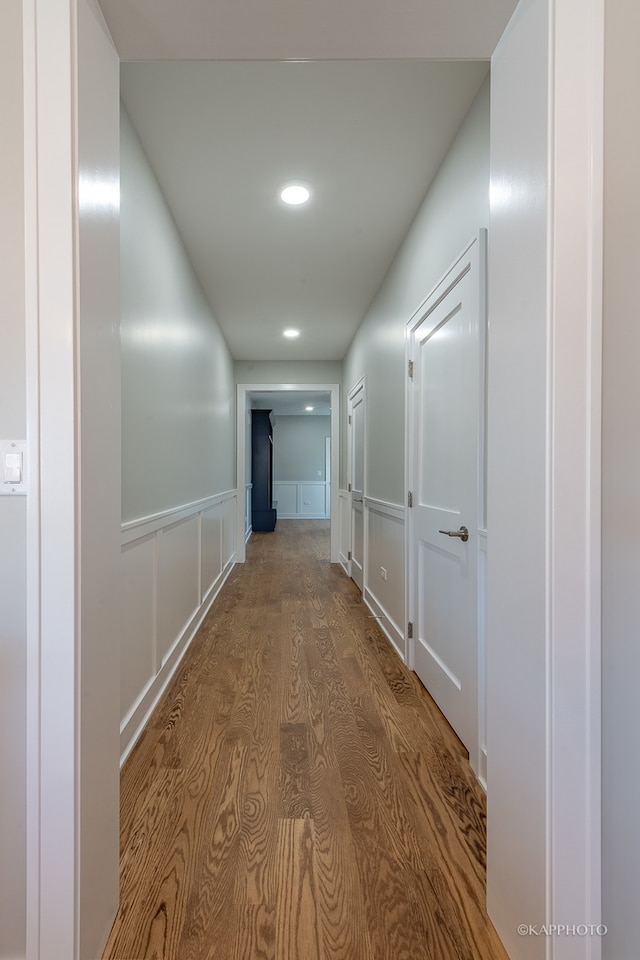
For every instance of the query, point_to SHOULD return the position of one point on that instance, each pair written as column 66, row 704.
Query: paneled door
column 445, row 405
column 357, row 411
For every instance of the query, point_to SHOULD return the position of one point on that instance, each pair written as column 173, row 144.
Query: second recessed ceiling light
column 294, row 194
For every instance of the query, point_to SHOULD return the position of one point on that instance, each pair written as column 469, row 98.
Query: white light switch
column 13, row 468
column 12, row 473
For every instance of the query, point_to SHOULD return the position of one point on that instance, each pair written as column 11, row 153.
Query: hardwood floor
column 297, row 795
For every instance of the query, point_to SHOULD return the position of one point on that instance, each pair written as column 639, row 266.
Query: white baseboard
column 390, row 629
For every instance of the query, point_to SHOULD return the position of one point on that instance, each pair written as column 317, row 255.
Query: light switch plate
column 10, row 449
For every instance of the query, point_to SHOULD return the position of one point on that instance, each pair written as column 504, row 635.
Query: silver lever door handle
column 463, row 533
column 356, row 500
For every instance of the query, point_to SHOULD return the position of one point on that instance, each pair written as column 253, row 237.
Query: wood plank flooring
column 297, row 795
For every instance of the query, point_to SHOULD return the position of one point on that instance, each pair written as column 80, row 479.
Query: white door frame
column 242, row 390
column 544, row 485
column 576, row 88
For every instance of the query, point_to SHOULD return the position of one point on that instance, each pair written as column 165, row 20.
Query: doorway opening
column 326, row 397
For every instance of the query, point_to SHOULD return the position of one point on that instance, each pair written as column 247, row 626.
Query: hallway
column 297, row 794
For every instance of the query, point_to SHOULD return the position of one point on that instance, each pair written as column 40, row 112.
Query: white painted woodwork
column 299, row 499
column 99, row 479
column 247, row 508
column 327, row 474
column 620, row 485
column 286, row 497
column 445, row 462
column 357, row 473
column 344, row 505
column 211, row 544
column 173, row 567
column 13, row 511
column 72, row 308
column 178, row 584
column 138, row 640
column 543, row 709
column 386, row 552
column 481, row 769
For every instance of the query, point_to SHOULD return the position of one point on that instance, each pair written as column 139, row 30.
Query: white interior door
column 446, row 402
column 357, row 411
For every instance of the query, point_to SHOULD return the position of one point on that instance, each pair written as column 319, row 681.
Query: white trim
column 387, row 509
column 576, row 126
column 242, row 389
column 359, row 387
column 50, row 166
column 344, row 496
column 299, row 514
column 143, row 526
column 133, row 724
column 389, row 627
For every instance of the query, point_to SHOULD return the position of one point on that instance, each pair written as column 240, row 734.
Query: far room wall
column 299, row 475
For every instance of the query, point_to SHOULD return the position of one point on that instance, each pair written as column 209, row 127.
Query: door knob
column 463, row 533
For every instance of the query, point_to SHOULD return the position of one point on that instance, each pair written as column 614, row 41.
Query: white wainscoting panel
column 287, row 496
column 298, row 498
column 211, row 547
column 344, row 519
column 138, row 640
column 247, row 511
column 178, row 581
column 482, row 658
column 311, row 499
column 228, row 532
column 384, row 585
column 173, row 566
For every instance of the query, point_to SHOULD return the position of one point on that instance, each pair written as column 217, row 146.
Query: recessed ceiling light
column 309, row 409
column 291, row 333
column 294, row 194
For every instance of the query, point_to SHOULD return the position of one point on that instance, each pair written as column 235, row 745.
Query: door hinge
column 349, row 555
column 349, row 488
column 349, row 419
column 409, row 499
column 410, row 630
column 411, row 369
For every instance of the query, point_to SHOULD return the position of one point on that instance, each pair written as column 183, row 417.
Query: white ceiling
column 368, row 135
column 306, row 29
column 292, row 403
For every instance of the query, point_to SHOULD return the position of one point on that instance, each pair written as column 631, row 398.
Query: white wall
column 299, row 447
column 621, row 483
column 12, row 508
column 178, row 433
column 178, row 445
column 299, row 450
column 454, row 209
column 288, row 371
